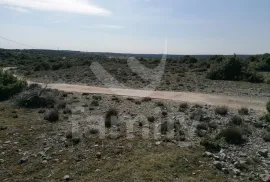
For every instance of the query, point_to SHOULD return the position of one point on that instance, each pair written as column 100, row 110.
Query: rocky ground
column 168, row 141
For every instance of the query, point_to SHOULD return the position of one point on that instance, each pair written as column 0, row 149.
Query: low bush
column 232, row 135
column 96, row 97
column 52, row 116
column 160, row 104
column 211, row 145
column 138, row 102
column 164, row 127
column 130, row 99
column 151, row 119
column 116, row 99
column 109, row 117
column 146, row 99
column 183, row 107
column 243, row 111
column 222, row 110
column 61, row 105
column 202, row 126
column 164, row 113
column 35, row 98
column 95, row 103
column 236, row 120
column 10, row 85
column 253, row 77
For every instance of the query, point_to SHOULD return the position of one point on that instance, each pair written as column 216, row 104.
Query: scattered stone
column 218, row 165
column 7, row 142
column 241, row 154
column 240, row 165
column 66, row 178
column 207, row 154
column 223, row 156
column 23, row 160
column 158, row 143
column 265, row 177
column 236, row 172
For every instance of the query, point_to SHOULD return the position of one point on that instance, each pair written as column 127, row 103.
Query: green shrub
column 253, row 77
column 130, row 99
column 42, row 66
column 236, row 120
column 146, row 99
column 229, row 69
column 183, row 107
column 164, row 113
column 212, row 145
column 96, row 97
column 160, row 104
column 10, row 85
column 234, row 69
column 243, row 111
column 52, row 116
column 222, row 110
column 232, row 135
column 35, row 98
column 151, row 119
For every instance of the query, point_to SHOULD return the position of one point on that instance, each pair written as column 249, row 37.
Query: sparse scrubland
column 225, row 75
column 48, row 135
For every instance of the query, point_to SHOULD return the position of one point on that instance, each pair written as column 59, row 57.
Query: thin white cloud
column 68, row 6
column 104, row 26
column 18, row 9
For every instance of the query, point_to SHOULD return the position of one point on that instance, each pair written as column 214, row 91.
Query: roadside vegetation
column 10, row 85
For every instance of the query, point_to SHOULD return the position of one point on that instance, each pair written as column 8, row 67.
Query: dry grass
column 147, row 162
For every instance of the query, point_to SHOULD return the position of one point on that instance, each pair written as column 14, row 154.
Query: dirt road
column 210, row 99
column 234, row 102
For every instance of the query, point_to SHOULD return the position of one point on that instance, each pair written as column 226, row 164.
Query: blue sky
column 138, row 26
